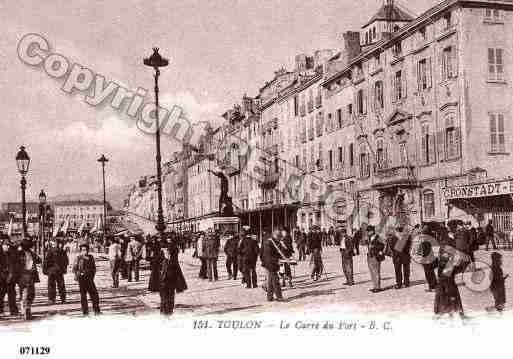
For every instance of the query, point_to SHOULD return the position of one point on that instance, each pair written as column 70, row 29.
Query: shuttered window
column 495, row 64
column 497, row 138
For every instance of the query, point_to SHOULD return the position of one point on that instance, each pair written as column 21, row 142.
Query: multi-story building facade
column 409, row 119
column 431, row 101
column 77, row 212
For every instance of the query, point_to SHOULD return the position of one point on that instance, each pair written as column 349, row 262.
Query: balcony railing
column 270, row 179
column 310, row 106
column 396, row 175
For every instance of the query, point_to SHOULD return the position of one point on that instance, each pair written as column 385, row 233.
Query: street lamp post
column 42, row 215
column 23, row 162
column 104, row 160
column 155, row 61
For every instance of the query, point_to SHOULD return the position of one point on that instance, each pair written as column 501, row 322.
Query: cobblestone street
column 228, row 296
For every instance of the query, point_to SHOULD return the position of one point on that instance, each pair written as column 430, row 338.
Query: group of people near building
column 276, row 251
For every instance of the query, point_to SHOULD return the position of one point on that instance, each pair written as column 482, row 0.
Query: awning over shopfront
column 481, row 197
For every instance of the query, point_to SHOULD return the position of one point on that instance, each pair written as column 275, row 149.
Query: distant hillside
column 115, row 196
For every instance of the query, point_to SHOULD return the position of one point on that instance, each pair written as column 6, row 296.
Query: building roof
column 433, row 11
column 396, row 14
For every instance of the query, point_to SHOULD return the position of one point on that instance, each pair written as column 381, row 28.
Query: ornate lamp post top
column 155, row 60
column 103, row 159
column 42, row 197
column 22, row 161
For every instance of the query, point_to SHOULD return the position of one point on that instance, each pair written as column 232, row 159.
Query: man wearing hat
column 400, row 245
column 375, row 256
column 4, row 272
column 85, row 270
column 28, row 277
column 133, row 257
column 55, row 266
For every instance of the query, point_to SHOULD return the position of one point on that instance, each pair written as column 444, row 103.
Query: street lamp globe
column 42, row 197
column 155, row 60
column 23, row 161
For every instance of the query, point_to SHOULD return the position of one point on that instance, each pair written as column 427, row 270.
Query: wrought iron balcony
column 396, row 176
column 270, row 180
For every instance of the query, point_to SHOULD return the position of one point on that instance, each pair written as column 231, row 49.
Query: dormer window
column 447, row 20
column 422, row 33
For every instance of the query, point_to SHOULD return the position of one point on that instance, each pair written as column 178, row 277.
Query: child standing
column 497, row 285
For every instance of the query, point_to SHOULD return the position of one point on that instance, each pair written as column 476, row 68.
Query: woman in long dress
column 447, row 297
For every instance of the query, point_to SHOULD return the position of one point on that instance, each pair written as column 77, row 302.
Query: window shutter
column 404, row 84
column 457, row 141
column 392, row 88
column 501, row 133
column 428, row 72
column 372, row 98
column 431, row 148
column 412, row 152
column 440, row 144
column 416, row 75
column 364, row 100
column 440, row 66
column 423, row 148
column 454, row 61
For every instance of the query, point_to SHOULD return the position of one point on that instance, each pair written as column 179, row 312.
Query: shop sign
column 479, row 190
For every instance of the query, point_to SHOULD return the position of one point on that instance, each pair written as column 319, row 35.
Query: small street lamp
column 42, row 215
column 155, row 61
column 104, row 160
column 23, row 163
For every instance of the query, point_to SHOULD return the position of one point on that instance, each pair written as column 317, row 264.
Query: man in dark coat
column 4, row 272
column 231, row 251
column 346, row 254
column 271, row 262
column 14, row 269
column 85, row 270
column 171, row 278
column 153, row 284
column 358, row 235
column 249, row 251
column 490, row 235
column 28, row 277
column 400, row 244
column 288, row 251
column 55, row 266
column 316, row 250
column 301, row 244
column 428, row 261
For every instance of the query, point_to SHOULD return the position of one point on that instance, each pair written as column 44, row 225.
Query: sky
column 218, row 51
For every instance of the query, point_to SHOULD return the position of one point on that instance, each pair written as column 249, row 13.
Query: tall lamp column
column 23, row 163
column 156, row 61
column 104, row 160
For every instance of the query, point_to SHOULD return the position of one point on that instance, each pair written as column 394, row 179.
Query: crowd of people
column 277, row 252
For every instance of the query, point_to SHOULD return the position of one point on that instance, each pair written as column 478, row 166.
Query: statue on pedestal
column 225, row 201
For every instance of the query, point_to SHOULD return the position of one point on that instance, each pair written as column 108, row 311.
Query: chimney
column 351, row 45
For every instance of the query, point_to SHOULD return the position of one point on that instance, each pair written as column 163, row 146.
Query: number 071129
column 29, row 350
